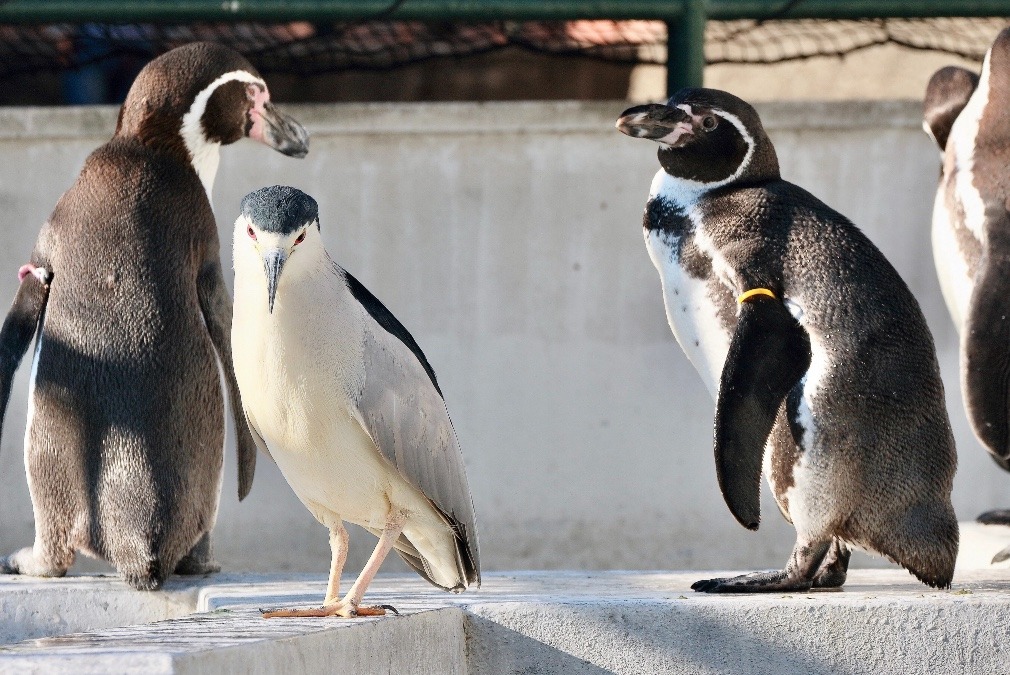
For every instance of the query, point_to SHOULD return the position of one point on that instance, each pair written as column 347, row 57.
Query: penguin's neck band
column 744, row 297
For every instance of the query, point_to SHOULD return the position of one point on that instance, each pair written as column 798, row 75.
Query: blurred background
column 468, row 172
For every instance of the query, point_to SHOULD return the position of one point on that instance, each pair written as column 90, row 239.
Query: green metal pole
column 685, row 48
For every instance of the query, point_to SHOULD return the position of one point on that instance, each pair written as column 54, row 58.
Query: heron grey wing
column 404, row 414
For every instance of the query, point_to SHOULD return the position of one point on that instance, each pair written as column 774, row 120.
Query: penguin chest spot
column 699, row 307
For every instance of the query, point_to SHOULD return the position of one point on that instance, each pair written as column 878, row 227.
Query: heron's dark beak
column 273, row 263
column 281, row 132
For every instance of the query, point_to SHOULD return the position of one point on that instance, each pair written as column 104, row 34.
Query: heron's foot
column 341, row 609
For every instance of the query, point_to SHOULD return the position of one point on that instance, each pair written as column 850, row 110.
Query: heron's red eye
column 249, row 231
column 300, row 238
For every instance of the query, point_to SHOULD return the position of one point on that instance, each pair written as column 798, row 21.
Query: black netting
column 772, row 41
column 313, row 48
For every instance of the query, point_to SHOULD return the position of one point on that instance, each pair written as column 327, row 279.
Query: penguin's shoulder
column 126, row 190
column 382, row 316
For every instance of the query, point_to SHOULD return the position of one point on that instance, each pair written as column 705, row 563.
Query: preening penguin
column 971, row 242
column 339, row 394
column 823, row 369
column 126, row 298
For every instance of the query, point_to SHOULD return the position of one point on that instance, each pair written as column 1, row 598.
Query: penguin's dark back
column 132, row 232
column 126, row 370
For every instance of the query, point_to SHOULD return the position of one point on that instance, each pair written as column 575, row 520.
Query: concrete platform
column 531, row 622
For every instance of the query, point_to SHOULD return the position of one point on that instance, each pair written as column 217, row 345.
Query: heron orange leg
column 350, row 605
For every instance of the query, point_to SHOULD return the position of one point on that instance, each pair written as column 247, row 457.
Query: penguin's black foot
column 143, row 582
column 200, row 560
column 834, row 568
column 190, row 566
column 755, row 582
column 995, row 517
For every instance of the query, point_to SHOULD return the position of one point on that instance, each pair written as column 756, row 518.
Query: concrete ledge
column 456, row 118
column 546, row 622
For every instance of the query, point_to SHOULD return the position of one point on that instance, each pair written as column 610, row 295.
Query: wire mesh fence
column 305, row 48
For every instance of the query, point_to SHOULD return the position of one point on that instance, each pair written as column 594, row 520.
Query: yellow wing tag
column 744, row 297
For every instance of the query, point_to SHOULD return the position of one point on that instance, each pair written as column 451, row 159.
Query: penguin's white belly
column 691, row 310
column 810, row 511
column 951, row 265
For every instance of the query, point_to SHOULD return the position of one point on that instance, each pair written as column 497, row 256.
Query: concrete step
column 531, row 622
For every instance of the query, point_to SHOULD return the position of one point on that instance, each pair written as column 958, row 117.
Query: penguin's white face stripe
column 204, row 153
column 683, row 191
column 962, row 141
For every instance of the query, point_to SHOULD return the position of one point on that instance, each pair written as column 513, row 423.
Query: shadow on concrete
column 634, row 638
column 493, row 649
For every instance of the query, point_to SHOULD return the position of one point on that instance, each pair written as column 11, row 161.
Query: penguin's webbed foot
column 803, row 568
column 200, row 559
column 835, row 566
column 189, row 566
column 995, row 517
column 755, row 582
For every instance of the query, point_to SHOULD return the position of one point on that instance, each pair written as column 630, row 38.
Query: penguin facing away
column 822, row 367
column 340, row 395
column 971, row 243
column 126, row 299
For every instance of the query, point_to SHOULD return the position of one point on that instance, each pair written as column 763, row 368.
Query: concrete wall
column 507, row 238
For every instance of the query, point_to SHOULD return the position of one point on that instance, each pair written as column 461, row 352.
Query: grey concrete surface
column 507, row 238
column 553, row 622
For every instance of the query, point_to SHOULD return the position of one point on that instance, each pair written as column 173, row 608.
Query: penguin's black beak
column 656, row 122
column 282, row 133
column 273, row 263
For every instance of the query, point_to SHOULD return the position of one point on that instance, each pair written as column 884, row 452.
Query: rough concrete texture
column 561, row 622
column 507, row 238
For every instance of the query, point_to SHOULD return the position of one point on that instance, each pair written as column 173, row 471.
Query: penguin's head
column 947, row 94
column 277, row 231
column 201, row 96
column 707, row 137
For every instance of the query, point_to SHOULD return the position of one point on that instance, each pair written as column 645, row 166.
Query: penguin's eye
column 300, row 238
column 709, row 122
column 249, row 231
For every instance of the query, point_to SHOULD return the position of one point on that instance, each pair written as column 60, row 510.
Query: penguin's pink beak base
column 656, row 122
column 273, row 128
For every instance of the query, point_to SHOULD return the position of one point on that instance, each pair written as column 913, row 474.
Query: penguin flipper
column 18, row 330
column 215, row 304
column 768, row 355
column 985, row 366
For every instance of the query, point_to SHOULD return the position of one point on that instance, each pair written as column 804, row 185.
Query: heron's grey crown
column 280, row 208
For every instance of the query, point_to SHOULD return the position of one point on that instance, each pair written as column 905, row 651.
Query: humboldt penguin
column 126, row 299
column 823, row 370
column 971, row 239
column 343, row 399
